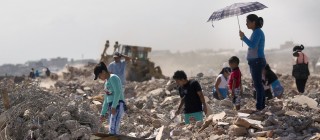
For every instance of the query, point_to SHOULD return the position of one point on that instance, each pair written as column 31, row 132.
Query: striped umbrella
column 236, row 10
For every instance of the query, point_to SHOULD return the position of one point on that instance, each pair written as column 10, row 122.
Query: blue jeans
column 114, row 120
column 256, row 66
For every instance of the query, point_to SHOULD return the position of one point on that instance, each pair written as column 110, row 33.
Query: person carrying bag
column 300, row 70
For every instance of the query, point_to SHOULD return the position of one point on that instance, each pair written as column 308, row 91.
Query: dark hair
column 258, row 20
column 180, row 75
column 234, row 59
column 298, row 48
column 98, row 69
column 225, row 69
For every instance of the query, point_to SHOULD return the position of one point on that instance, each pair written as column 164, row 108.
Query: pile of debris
column 70, row 110
column 37, row 114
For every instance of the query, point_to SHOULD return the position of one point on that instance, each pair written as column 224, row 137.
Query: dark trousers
column 301, row 84
column 267, row 93
column 256, row 67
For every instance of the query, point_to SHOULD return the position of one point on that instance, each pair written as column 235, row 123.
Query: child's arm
column 200, row 94
column 241, row 88
column 217, row 87
column 180, row 106
column 233, row 85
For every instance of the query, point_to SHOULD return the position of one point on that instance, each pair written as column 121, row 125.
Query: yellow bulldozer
column 140, row 68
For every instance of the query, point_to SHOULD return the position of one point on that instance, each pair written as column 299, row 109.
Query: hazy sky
column 35, row 29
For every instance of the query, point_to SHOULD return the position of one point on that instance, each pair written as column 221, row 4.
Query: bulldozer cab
column 140, row 68
column 135, row 52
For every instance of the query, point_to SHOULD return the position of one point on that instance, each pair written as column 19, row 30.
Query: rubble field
column 68, row 108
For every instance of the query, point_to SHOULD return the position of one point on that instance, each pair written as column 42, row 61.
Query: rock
column 199, row 75
column 261, row 138
column 237, row 130
column 292, row 113
column 27, row 114
column 231, row 113
column 226, row 103
column 72, row 124
column 156, row 123
column 242, row 122
column 214, row 137
column 257, row 117
column 206, row 98
column 80, row 132
column 257, row 134
column 65, row 136
column 218, row 116
column 49, row 110
column 157, row 92
column 170, row 85
column 71, row 107
column 243, row 115
column 176, row 132
column 317, row 119
column 254, row 123
column 50, row 134
column 301, row 99
column 280, row 113
column 315, row 137
column 171, row 99
column 269, row 134
column 86, row 88
column 80, row 91
column 66, row 115
column 199, row 124
column 222, row 123
column 168, row 93
column 97, row 103
column 51, row 125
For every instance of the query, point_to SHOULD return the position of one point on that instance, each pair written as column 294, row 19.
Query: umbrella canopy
column 236, row 10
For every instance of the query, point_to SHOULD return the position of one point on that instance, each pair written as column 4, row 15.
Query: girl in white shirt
column 220, row 90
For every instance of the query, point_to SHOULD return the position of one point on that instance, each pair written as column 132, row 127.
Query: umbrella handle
column 239, row 30
column 238, row 23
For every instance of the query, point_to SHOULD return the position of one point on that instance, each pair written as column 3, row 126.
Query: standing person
column 191, row 98
column 116, row 47
column 118, row 67
column 113, row 98
column 234, row 82
column 48, row 72
column 220, row 90
column 302, row 64
column 31, row 74
column 255, row 56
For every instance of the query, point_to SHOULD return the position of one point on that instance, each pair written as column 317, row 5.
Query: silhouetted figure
column 116, row 47
column 48, row 72
column 32, row 75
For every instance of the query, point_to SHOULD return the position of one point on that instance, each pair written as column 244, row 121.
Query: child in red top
column 234, row 82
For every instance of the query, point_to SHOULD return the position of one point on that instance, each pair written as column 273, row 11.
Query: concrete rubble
column 69, row 109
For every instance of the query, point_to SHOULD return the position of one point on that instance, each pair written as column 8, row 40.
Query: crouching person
column 113, row 105
column 191, row 98
column 272, row 79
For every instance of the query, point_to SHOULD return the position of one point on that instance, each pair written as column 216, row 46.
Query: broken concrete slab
column 242, row 122
column 302, row 99
column 235, row 130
